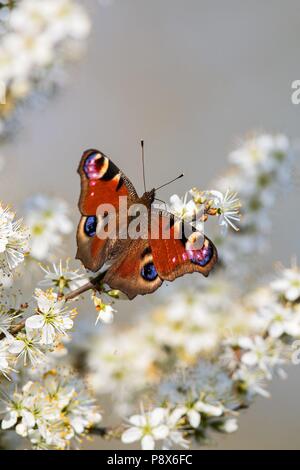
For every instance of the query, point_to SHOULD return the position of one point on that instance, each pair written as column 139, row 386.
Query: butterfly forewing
column 101, row 183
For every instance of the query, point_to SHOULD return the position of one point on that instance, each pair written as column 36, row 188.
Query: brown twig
column 75, row 293
column 100, row 431
column 92, row 284
column 106, row 432
column 9, row 4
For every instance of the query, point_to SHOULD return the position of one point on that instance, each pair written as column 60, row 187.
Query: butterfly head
column 148, row 197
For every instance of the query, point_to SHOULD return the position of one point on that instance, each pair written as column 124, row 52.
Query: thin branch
column 92, row 284
column 16, row 328
column 10, row 4
column 106, row 432
column 100, row 431
column 75, row 293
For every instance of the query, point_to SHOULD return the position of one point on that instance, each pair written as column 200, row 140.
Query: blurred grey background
column 189, row 77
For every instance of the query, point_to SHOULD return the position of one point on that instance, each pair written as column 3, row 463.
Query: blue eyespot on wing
column 148, row 272
column 90, row 226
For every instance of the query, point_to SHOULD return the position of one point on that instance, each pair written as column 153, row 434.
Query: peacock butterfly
column 135, row 265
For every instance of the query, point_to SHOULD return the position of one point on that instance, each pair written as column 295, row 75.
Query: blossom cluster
column 49, row 222
column 175, row 333
column 30, row 332
column 14, row 243
column 260, row 169
column 191, row 401
column 209, row 394
column 196, row 206
column 42, row 330
column 36, row 38
column 52, row 411
column 56, row 408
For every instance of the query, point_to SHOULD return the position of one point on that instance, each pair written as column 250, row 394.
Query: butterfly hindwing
column 91, row 250
column 134, row 273
column 145, row 264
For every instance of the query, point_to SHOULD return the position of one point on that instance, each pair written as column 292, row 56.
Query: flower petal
column 67, row 323
column 48, row 334
column 9, row 420
column 176, row 415
column 148, row 442
column 138, row 420
column 276, row 329
column 249, row 358
column 131, row 435
column 156, row 416
column 160, row 432
column 211, row 410
column 35, row 321
column 16, row 346
column 28, row 418
column 194, row 418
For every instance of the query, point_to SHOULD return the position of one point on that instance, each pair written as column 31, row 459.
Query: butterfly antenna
column 169, row 182
column 143, row 162
column 164, row 202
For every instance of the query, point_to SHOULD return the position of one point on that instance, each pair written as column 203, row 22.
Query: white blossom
column 175, row 435
column 288, row 284
column 14, row 239
column 6, row 319
column 62, row 278
column 230, row 425
column 147, row 427
column 5, row 359
column 51, row 411
column 121, row 364
column 260, row 169
column 228, row 206
column 19, row 407
column 280, row 320
column 182, row 208
column 251, row 382
column 193, row 411
column 105, row 312
column 27, row 347
column 37, row 40
column 48, row 221
column 262, row 153
column 52, row 318
column 263, row 353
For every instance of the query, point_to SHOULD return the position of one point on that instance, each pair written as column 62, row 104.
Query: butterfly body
column 135, row 265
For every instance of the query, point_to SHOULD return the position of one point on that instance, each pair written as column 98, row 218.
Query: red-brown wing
column 173, row 257
column 101, row 183
column 145, row 264
column 134, row 273
column 91, row 250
